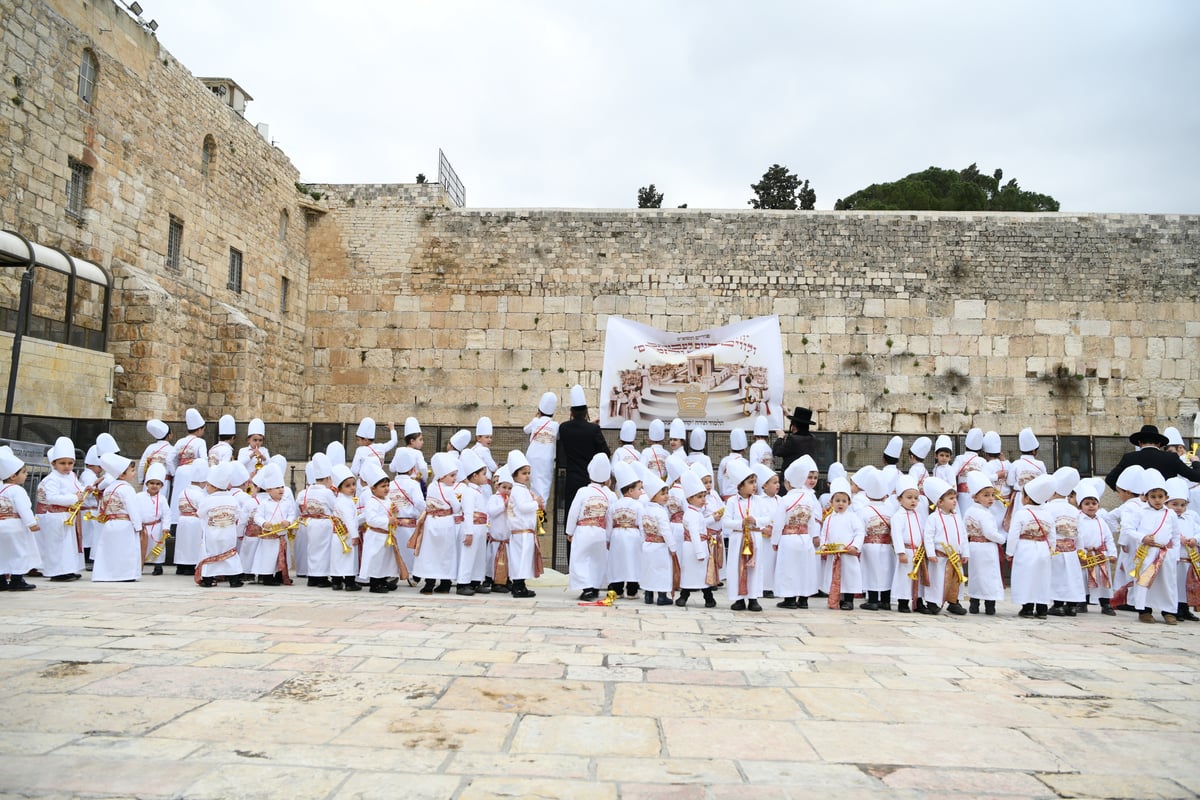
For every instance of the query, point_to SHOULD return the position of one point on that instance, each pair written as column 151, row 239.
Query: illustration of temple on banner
column 713, row 378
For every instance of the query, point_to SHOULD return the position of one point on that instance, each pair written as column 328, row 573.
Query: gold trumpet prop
column 955, row 560
column 1193, row 556
column 1195, row 447
column 825, row 514
column 1090, row 560
column 74, row 513
column 831, row 549
column 541, row 522
column 1000, row 499
column 747, row 539
column 918, row 560
column 157, row 550
column 1138, row 558
column 339, row 528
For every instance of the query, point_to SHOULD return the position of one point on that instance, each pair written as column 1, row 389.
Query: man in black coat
column 798, row 441
column 579, row 439
column 1152, row 456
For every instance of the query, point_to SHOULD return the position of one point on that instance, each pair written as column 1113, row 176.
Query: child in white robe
column 1030, row 543
column 220, row 520
column 381, row 561
column 767, row 496
column 726, row 487
column 985, row 542
column 18, row 526
column 878, row 559
column 118, row 551
column 407, row 502
column 1097, row 543
column 524, row 551
column 841, row 540
column 152, row 504
column 315, row 536
column 945, row 543
column 59, row 496
column 625, row 547
column 498, row 537
column 696, row 573
column 344, row 551
column 659, row 550
column 654, row 457
column 1154, row 532
column 743, row 523
column 543, row 446
column 908, row 541
column 275, row 520
column 368, row 449
column 437, row 551
column 794, row 536
column 589, row 528
column 472, row 541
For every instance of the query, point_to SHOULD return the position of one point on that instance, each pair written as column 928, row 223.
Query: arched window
column 87, row 76
column 208, row 155
column 283, row 225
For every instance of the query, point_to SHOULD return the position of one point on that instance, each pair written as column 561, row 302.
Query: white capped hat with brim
column 269, row 477
column 1040, row 489
column 991, row 443
column 10, row 465
column 936, row 488
column 836, row 470
column 256, row 428
column 862, row 476
column 1085, row 489
column 469, row 463
column 503, row 475
column 197, row 471
column 321, row 468
column 372, row 473
column 63, row 448
column 193, row 420
column 411, row 427
column 625, row 475
column 599, row 468
column 895, row 447
column 105, row 444
column 652, row 484
column 1026, row 441
column 921, row 447
column 1173, row 438
column 341, row 473
column 220, row 477
column 738, row 472
column 548, row 404
column 238, row 474
column 443, row 464
column 678, row 430
column 461, row 439
column 763, row 473
column 114, row 464
column 797, row 472
column 516, row 460
column 1153, row 479
column 676, row 466
column 657, row 430
column 157, row 428
column 737, row 439
column 404, row 461
column 1130, row 478
column 155, row 472
column 366, row 429
column 1065, row 479
column 943, row 442
column 483, row 427
column 226, row 425
column 698, row 439
column 692, row 484
column 1177, row 489
column 92, row 457
column 280, row 461
column 977, row 481
column 628, row 430
column 336, row 452
column 974, row 441
column 761, row 426
column 839, row 486
column 702, row 468
column 578, row 398
column 906, row 482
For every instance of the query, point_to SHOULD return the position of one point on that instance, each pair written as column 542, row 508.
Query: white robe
column 1163, row 524
column 160, row 452
column 378, row 559
column 908, row 535
column 189, row 547
column 794, row 532
column 693, row 550
column 737, row 509
column 155, row 513
column 117, row 553
column 625, row 548
column 404, row 494
column 657, row 569
column 522, row 526
column 343, row 562
column 1066, row 573
column 592, row 506
column 987, row 582
column 315, row 537
column 221, row 520
column 1030, row 581
column 1095, row 533
column 846, row 529
column 878, row 560
column 18, row 547
column 265, row 558
column 942, row 529
column 543, row 447
column 58, row 547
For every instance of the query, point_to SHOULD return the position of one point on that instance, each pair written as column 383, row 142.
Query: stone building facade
column 399, row 303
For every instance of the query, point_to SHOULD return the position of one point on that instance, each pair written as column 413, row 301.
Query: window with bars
column 87, row 76
column 208, row 155
column 77, row 188
column 235, row 270
column 283, row 225
column 174, row 242
column 284, row 286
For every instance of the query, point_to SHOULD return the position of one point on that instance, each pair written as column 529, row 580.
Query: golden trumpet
column 1193, row 556
column 831, row 549
column 74, row 512
column 955, row 561
column 747, row 539
column 541, row 522
column 918, row 560
column 1090, row 560
column 1138, row 557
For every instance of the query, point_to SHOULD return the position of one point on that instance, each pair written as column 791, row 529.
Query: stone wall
column 1071, row 323
column 182, row 337
column 57, row 380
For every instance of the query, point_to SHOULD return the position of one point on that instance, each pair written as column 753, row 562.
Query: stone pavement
column 160, row 689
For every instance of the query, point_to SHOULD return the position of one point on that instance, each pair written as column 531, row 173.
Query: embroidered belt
column 655, row 538
column 963, row 488
column 406, row 522
column 1065, row 545
column 437, row 512
column 591, row 522
column 102, row 518
column 528, row 530
column 186, row 514
column 789, row 530
column 384, row 531
column 1033, row 537
column 977, row 537
column 46, row 508
column 216, row 524
column 315, row 516
column 677, row 517
column 10, row 516
column 877, row 538
column 478, row 518
column 625, row 527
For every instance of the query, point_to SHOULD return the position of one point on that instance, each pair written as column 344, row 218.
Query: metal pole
column 22, row 321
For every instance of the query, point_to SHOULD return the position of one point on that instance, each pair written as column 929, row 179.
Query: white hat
column 737, row 439
column 738, row 472
column 549, row 403
column 796, row 474
column 977, row 481
column 256, row 428
column 269, row 477
column 483, row 427
column 628, row 430
column 63, row 448
column 219, row 476
column 657, row 430
column 991, row 443
column 366, row 429
column 895, row 447
column 155, row 472
column 1130, row 479
column 692, row 484
column 516, row 460
column 1153, row 479
column 839, row 486
column 906, row 482
column 372, row 473
column 157, row 428
column 411, row 427
column 862, row 476
column 676, row 466
column 197, row 471
column 340, row 474
column 10, row 465
column 921, row 447
column 113, row 464
column 503, row 475
column 92, row 458
column 1098, row 486
column 878, row 485
column 443, row 464
column 321, row 468
column 469, row 463
column 936, row 488
column 1040, row 489
column 1065, row 479
column 807, row 463
column 460, row 440
column 1177, row 489
column 238, row 474
column 836, row 470
column 943, row 443
column 336, row 452
column 1026, row 441
column 974, row 440
column 599, row 468
column 105, row 444
column 763, row 473
column 404, row 460
column 678, row 430
column 652, row 484
column 280, row 461
column 1173, row 438
column 226, row 425
column 625, row 475
column 577, row 397
column 1085, row 489
column 761, row 426
column 698, row 439
column 193, row 419
column 702, row 468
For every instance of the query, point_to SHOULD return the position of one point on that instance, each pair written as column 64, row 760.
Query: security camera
column 118, row 369
column 108, row 400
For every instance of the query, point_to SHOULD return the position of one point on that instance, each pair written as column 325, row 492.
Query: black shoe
column 740, row 605
column 268, row 580
column 66, row 578
column 1070, row 610
column 501, row 588
column 664, row 599
column 956, row 609
column 3, row 583
column 681, row 601
column 631, row 589
column 1184, row 614
column 788, row 602
column 1026, row 611
column 1057, row 611
column 1082, row 608
column 802, row 602
column 920, row 606
column 392, row 583
column 487, row 584
column 157, row 570
column 649, row 598
column 754, row 606
column 207, row 583
column 902, row 607
column 870, row 605
column 378, row 586
column 18, row 584
column 989, row 607
column 235, row 582
column 465, row 590
column 443, row 587
column 519, row 590
column 337, row 583
column 320, row 583
column 1041, row 611
column 589, row 594
column 768, row 594
column 351, row 584
column 932, row 610
column 820, row 594
column 1107, row 610
column 885, row 605
column 709, row 600
column 427, row 588
column 974, row 608
column 846, row 605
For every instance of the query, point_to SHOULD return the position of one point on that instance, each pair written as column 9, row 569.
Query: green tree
column 649, row 198
column 937, row 189
column 780, row 189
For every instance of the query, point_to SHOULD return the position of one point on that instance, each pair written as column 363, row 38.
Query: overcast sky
column 567, row 104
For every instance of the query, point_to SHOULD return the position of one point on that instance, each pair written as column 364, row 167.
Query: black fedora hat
column 1149, row 435
column 802, row 418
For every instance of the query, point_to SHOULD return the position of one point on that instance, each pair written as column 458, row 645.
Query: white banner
column 720, row 379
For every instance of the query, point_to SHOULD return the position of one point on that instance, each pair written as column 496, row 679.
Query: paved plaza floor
column 162, row 689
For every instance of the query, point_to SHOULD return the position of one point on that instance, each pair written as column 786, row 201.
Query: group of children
column 660, row 521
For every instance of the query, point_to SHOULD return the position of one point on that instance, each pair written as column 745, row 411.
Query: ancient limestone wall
column 182, row 337
column 1071, row 323
column 57, row 380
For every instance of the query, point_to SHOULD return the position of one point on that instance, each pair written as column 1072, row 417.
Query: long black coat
column 1153, row 458
column 794, row 445
column 578, row 442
